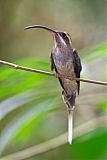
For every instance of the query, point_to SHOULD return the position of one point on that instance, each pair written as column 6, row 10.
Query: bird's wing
column 53, row 66
column 52, row 62
column 77, row 66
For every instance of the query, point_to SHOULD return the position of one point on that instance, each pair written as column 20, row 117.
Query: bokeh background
column 31, row 108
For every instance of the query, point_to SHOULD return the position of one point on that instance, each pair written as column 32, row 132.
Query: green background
column 31, row 108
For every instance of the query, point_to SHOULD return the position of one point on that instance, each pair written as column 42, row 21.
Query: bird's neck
column 63, row 47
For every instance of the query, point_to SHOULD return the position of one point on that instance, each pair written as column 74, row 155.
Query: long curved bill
column 40, row 26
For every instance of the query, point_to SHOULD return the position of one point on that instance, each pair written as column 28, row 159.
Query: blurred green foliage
column 30, row 103
column 31, row 106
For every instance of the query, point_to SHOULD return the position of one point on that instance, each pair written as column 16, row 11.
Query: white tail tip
column 70, row 126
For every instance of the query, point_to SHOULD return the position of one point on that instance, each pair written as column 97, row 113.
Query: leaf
column 20, row 128
column 91, row 146
column 18, row 81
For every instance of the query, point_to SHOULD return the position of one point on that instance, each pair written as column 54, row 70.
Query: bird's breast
column 64, row 62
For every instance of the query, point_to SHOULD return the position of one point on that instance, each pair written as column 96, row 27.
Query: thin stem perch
column 49, row 73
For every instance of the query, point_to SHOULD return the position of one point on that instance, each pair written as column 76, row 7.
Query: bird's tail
column 70, row 102
column 70, row 125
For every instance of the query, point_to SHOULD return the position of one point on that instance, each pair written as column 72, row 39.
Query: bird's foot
column 57, row 75
column 71, row 109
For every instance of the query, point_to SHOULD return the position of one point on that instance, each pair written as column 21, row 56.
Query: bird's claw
column 71, row 109
column 57, row 75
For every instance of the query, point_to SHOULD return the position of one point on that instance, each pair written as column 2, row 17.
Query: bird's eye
column 64, row 35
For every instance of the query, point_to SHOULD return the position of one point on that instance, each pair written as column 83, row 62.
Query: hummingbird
column 66, row 63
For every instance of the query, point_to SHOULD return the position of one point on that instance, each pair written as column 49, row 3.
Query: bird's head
column 60, row 37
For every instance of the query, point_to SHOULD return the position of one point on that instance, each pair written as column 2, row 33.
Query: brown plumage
column 66, row 62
